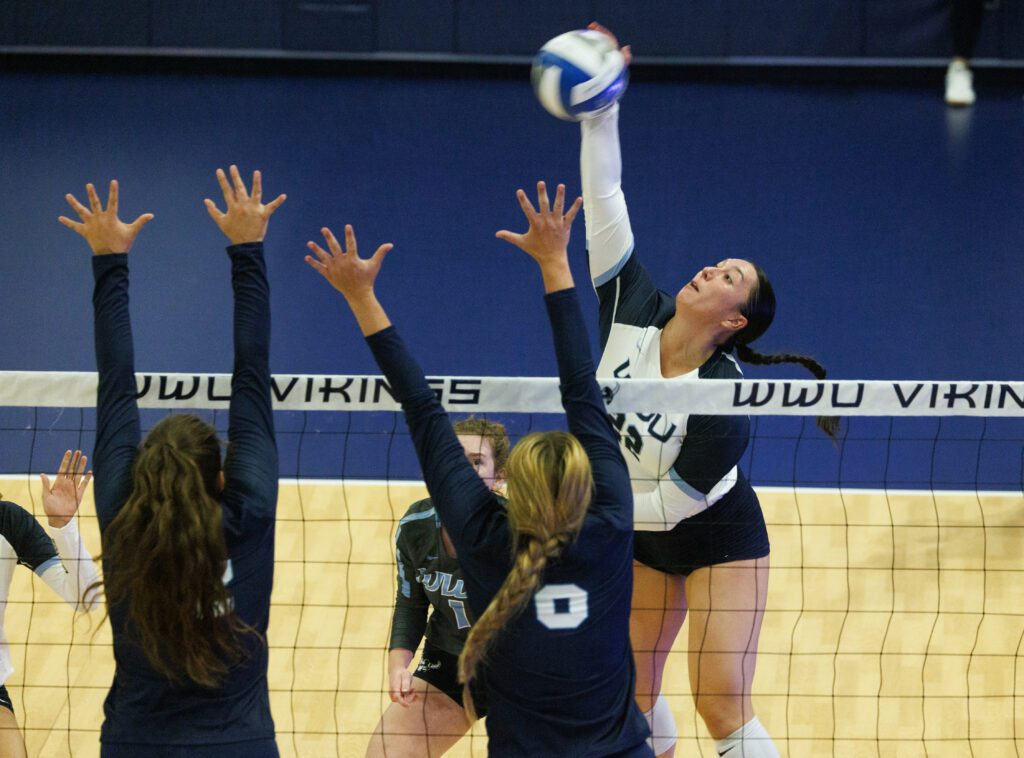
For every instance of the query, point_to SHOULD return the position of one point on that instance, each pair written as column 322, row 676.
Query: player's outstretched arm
column 62, row 497
column 547, row 238
column 609, row 234
column 117, row 417
column 460, row 497
column 251, row 467
column 547, row 241
column 352, row 276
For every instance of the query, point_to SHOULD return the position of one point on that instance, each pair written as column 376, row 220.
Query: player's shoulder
column 419, row 515
column 13, row 514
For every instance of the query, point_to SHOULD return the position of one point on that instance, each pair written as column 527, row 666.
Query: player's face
column 718, row 293
column 480, row 454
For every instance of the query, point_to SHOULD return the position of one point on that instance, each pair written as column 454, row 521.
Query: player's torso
column 439, row 575
column 571, row 637
column 650, row 441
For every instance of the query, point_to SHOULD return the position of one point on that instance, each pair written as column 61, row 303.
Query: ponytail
column 827, row 424
column 514, row 593
column 550, row 485
column 759, row 311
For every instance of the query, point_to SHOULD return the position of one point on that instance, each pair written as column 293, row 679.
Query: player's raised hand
column 547, row 238
column 246, row 217
column 626, row 51
column 351, row 275
column 62, row 498
column 102, row 229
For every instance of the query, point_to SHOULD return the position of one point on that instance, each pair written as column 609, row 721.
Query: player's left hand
column 351, row 275
column 62, row 498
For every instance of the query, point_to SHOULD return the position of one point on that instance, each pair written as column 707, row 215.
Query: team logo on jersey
column 441, row 581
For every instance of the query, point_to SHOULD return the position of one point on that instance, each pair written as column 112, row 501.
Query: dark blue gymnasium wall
column 890, row 225
column 668, row 29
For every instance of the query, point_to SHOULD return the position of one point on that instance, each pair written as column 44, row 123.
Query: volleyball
column 578, row 74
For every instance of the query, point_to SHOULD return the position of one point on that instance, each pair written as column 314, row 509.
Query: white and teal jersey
column 679, row 464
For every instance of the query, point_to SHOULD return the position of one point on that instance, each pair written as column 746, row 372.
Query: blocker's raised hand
column 246, row 217
column 102, row 229
column 351, row 275
column 547, row 239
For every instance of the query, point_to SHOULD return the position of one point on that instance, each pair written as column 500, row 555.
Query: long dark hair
column 165, row 556
column 760, row 311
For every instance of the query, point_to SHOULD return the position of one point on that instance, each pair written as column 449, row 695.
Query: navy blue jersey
column 561, row 674
column 142, row 707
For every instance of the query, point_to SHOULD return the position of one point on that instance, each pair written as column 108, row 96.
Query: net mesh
column 895, row 614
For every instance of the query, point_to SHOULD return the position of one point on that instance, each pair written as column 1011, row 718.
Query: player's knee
column 722, row 714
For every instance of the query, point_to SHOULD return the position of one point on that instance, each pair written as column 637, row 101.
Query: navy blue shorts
column 441, row 669
column 732, row 529
column 248, row 749
column 5, row 698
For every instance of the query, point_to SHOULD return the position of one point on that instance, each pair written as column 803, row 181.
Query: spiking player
column 549, row 577
column 426, row 716
column 701, row 543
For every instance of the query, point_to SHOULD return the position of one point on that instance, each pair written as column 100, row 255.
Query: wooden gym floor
column 894, row 627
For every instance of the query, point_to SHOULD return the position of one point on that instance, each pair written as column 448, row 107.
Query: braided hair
column 760, row 311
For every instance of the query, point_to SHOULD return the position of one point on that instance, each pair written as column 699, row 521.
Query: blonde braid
column 518, row 587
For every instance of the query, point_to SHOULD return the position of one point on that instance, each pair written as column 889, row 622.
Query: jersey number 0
column 561, row 606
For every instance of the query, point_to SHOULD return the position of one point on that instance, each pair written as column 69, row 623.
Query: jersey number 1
column 561, row 606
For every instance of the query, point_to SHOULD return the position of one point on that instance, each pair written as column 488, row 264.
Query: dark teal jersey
column 431, row 596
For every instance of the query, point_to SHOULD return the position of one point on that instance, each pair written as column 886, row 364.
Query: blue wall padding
column 217, row 23
column 890, row 227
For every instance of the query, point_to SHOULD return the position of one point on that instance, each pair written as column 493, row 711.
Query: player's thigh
column 657, row 614
column 432, row 724
column 726, row 605
column 12, row 745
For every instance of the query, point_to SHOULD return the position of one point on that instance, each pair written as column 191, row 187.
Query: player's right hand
column 400, row 687
column 102, row 229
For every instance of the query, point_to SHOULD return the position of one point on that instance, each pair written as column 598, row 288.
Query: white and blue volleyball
column 579, row 74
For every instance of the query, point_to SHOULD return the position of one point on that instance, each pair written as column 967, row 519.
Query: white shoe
column 959, row 84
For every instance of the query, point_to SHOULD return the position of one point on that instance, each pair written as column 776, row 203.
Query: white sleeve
column 674, row 500
column 73, row 574
column 609, row 235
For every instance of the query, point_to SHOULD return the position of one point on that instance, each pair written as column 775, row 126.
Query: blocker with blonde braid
column 549, row 489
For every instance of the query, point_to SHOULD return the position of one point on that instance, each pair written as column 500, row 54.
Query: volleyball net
column 895, row 620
